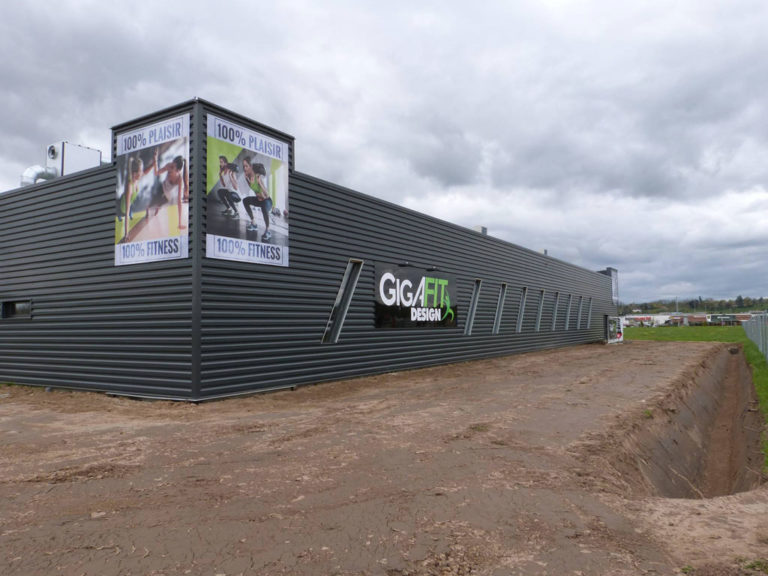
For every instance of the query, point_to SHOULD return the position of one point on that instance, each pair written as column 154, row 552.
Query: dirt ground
column 496, row 467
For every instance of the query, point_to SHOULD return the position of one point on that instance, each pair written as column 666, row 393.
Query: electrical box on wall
column 68, row 158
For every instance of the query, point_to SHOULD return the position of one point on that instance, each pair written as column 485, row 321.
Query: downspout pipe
column 35, row 173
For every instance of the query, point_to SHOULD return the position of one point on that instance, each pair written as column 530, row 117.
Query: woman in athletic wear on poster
column 228, row 186
column 131, row 188
column 176, row 183
column 253, row 175
column 135, row 173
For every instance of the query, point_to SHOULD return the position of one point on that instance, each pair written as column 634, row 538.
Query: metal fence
column 757, row 331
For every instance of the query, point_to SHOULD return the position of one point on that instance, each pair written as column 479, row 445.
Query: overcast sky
column 609, row 134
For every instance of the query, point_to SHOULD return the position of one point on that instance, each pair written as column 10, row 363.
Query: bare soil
column 530, row 464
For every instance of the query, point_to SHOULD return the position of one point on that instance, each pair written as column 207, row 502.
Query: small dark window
column 521, row 310
column 554, row 311
column 499, row 308
column 539, row 312
column 342, row 302
column 472, row 307
column 16, row 309
column 578, row 315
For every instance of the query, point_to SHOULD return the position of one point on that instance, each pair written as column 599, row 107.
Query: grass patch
column 716, row 334
column 688, row 334
column 758, row 565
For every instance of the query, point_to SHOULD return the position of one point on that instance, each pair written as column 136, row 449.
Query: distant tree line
column 708, row 305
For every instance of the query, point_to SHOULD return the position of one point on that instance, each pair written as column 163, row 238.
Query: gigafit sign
column 414, row 298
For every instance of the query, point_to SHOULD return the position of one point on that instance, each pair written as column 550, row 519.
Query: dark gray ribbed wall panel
column 262, row 325
column 94, row 325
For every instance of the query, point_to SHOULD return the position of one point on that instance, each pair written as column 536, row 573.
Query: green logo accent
column 448, row 310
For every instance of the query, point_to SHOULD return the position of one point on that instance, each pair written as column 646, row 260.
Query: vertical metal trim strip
column 472, row 307
column 196, row 242
column 521, row 309
column 542, row 293
column 578, row 315
column 554, row 311
column 343, row 300
column 500, row 308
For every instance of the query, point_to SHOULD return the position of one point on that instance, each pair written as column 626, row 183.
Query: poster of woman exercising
column 152, row 193
column 247, row 188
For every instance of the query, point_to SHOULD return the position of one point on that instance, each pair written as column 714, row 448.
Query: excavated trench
column 703, row 438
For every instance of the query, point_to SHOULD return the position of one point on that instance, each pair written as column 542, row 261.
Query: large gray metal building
column 153, row 276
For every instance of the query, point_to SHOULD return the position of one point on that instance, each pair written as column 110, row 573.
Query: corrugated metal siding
column 95, row 326
column 262, row 325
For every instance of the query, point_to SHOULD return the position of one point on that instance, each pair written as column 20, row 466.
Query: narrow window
column 554, row 311
column 343, row 300
column 521, row 310
column 16, row 309
column 589, row 314
column 499, row 308
column 542, row 293
column 568, row 311
column 472, row 307
column 581, row 309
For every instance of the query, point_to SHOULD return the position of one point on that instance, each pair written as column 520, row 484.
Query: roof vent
column 62, row 158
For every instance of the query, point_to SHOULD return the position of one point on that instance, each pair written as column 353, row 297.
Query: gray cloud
column 610, row 134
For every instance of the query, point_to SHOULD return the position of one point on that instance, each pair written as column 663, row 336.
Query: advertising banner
column 614, row 329
column 247, row 188
column 413, row 298
column 152, row 194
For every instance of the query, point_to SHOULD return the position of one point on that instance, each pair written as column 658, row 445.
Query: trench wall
column 702, row 439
